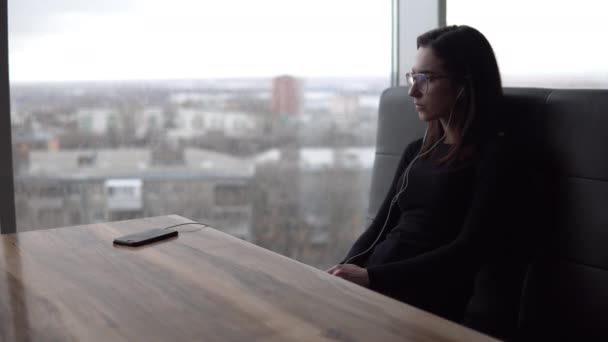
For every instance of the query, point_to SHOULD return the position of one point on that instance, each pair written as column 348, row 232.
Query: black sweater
column 439, row 232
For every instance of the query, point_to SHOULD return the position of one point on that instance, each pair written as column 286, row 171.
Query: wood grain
column 73, row 284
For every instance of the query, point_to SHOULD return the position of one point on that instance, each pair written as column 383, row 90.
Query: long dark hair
column 469, row 60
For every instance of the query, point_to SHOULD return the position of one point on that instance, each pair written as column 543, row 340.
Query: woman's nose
column 413, row 91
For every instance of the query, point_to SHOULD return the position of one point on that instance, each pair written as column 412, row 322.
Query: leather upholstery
column 553, row 281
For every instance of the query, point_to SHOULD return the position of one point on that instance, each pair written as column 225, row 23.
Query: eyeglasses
column 421, row 80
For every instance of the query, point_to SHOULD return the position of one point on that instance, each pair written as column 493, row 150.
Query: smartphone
column 145, row 237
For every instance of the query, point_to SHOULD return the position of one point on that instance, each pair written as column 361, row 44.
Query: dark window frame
column 8, row 222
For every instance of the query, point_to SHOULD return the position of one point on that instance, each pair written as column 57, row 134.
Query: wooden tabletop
column 73, row 284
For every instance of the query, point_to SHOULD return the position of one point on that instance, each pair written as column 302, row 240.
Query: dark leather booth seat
column 551, row 280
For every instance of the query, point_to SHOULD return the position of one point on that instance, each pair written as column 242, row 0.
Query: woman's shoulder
column 410, row 152
column 413, row 147
column 493, row 154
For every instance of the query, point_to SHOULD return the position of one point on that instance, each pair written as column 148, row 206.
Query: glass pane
column 555, row 44
column 256, row 117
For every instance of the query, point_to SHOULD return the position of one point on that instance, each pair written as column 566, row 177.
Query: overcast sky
column 562, row 40
column 143, row 39
column 152, row 39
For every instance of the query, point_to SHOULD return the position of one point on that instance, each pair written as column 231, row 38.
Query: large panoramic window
column 255, row 117
column 558, row 44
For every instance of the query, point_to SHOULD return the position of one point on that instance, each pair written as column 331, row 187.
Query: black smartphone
column 145, row 237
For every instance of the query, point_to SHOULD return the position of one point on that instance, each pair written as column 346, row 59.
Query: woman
column 436, row 225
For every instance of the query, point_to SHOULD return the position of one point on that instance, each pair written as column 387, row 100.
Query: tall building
column 286, row 95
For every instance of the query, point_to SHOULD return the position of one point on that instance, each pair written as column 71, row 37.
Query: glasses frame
column 410, row 78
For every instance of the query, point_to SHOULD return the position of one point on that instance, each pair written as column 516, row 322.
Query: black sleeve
column 464, row 255
column 371, row 233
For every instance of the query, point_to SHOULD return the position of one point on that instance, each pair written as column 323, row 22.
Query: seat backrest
column 555, row 278
column 565, row 293
column 398, row 125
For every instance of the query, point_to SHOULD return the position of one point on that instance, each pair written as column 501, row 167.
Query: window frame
column 8, row 222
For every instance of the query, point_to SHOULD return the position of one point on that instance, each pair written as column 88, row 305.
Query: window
column 204, row 94
column 231, row 195
column 554, row 44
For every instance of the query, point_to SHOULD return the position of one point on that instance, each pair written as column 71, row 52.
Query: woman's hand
column 352, row 273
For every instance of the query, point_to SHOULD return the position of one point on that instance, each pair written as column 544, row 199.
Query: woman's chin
column 423, row 116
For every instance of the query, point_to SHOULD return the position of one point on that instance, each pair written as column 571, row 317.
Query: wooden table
column 73, row 284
